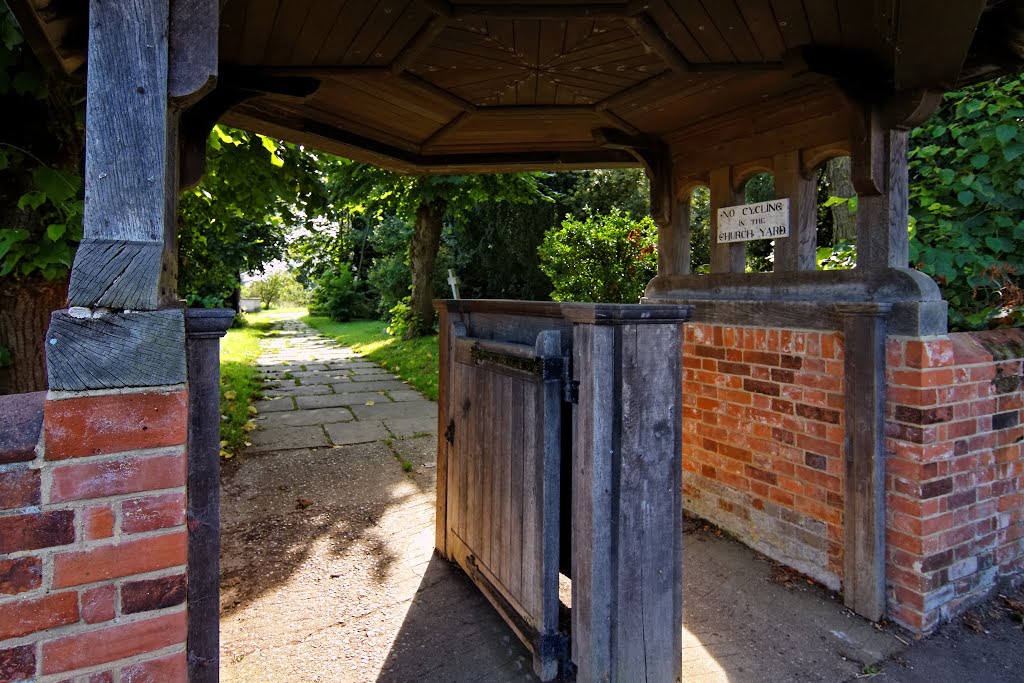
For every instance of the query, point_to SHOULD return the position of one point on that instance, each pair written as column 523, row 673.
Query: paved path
column 327, row 565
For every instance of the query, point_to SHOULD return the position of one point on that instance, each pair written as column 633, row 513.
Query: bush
column 602, row 259
column 338, row 297
column 390, row 277
column 401, row 319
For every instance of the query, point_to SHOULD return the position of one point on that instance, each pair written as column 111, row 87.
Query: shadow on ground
column 451, row 634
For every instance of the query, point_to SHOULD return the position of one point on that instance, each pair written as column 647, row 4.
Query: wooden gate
column 504, row 440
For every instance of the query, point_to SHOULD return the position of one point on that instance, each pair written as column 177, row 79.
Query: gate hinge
column 572, row 392
column 449, row 434
column 570, row 387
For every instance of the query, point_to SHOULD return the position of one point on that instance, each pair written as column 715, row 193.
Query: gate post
column 203, row 329
column 627, row 594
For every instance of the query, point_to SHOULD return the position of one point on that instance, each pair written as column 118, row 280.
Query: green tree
column 255, row 192
column 607, row 258
column 967, row 203
column 277, row 288
column 427, row 201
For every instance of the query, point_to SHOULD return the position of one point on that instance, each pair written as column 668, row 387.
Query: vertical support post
column 627, row 492
column 203, row 330
column 798, row 251
column 444, row 435
column 726, row 257
column 880, row 176
column 864, row 334
column 674, row 240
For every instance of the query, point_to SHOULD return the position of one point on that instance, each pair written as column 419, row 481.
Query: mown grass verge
column 414, row 360
column 240, row 382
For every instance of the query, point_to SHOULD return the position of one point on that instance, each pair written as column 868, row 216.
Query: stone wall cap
column 626, row 314
column 208, row 322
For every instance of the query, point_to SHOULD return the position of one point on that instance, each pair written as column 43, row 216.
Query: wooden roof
column 436, row 85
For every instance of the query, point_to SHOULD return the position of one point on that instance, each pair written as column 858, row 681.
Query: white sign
column 762, row 221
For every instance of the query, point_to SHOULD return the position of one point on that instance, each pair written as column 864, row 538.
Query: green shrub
column 608, row 258
column 338, row 297
column 401, row 319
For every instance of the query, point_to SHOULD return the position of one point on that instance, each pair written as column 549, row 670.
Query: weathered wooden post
column 203, row 328
column 125, row 332
column 627, row 492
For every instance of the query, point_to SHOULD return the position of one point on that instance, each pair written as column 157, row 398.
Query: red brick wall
column 954, row 472
column 93, row 543
column 763, row 440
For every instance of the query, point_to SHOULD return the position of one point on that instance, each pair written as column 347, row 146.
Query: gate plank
column 516, row 489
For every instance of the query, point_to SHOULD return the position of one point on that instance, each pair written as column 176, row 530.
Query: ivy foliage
column 967, row 203
column 603, row 258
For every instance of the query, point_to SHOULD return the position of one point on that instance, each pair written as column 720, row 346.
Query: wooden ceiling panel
column 316, row 27
column 290, row 20
column 792, row 21
column 260, row 16
column 763, row 27
column 703, row 29
column 397, row 39
column 384, row 19
column 349, row 23
column 733, row 27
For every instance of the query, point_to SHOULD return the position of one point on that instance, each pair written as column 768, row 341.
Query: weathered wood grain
column 444, row 447
column 627, row 498
column 864, row 334
column 119, row 261
column 503, row 480
column 204, row 327
column 594, row 361
column 799, row 250
column 192, row 64
column 883, row 240
column 726, row 257
column 116, row 351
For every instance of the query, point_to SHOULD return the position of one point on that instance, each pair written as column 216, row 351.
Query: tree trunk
column 844, row 225
column 25, row 307
column 426, row 238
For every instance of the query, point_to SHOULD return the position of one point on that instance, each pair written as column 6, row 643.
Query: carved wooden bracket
column 656, row 159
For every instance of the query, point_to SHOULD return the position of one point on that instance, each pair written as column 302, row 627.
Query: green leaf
column 947, row 175
column 1005, row 133
column 1013, row 150
column 966, row 197
column 979, row 160
column 55, row 231
column 58, row 185
column 10, row 237
column 30, row 201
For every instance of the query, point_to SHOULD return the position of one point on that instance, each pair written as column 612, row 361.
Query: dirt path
column 327, row 565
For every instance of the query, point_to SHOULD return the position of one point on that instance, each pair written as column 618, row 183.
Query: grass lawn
column 239, row 380
column 414, row 360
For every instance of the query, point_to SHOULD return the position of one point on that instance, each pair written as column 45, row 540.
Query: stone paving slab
column 405, row 409
column 386, row 385
column 342, row 398
column 405, row 395
column 356, row 432
column 300, row 418
column 376, row 377
column 301, row 390
column 403, row 427
column 287, row 438
column 273, row 405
